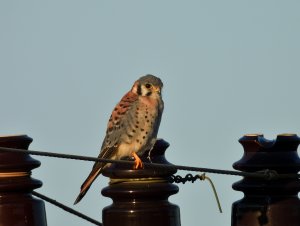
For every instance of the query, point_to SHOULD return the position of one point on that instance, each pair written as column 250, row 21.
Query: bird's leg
column 138, row 164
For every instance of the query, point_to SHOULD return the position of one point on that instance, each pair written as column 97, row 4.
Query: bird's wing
column 111, row 142
column 117, row 123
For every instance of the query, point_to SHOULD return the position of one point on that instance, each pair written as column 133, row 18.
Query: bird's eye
column 148, row 85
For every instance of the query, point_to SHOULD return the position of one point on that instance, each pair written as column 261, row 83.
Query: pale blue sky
column 229, row 68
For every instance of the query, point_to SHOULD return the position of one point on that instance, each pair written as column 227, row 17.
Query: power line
column 264, row 174
column 66, row 208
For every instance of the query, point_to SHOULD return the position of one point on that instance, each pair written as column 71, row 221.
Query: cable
column 189, row 177
column 204, row 177
column 66, row 208
column 264, row 174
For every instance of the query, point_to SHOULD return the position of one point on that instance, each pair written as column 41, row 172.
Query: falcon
column 132, row 127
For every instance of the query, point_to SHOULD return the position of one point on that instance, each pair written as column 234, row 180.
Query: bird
column 132, row 127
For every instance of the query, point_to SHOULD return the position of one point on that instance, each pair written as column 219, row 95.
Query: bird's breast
column 140, row 127
column 126, row 149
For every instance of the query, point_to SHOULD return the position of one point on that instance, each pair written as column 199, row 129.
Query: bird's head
column 148, row 85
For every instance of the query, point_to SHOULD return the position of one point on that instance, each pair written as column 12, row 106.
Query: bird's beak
column 157, row 89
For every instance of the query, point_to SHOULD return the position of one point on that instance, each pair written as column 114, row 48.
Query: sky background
column 229, row 68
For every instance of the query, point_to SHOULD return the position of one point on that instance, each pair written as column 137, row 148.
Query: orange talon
column 138, row 164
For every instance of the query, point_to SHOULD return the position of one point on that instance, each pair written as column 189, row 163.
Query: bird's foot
column 138, row 164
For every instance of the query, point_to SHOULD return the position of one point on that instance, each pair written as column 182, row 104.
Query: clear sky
column 229, row 68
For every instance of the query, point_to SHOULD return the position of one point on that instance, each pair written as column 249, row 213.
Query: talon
column 138, row 164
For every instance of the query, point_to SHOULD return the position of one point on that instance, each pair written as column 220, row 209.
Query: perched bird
column 132, row 127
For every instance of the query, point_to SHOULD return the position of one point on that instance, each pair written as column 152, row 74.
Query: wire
column 263, row 174
column 214, row 190
column 66, row 208
column 189, row 177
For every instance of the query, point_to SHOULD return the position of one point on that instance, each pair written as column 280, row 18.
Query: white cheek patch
column 144, row 90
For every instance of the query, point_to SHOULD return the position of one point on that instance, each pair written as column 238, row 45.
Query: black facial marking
column 148, row 94
column 139, row 90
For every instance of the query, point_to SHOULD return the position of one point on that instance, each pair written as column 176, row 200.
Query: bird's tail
column 87, row 183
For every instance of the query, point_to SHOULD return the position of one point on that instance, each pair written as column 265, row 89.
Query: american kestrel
column 132, row 127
